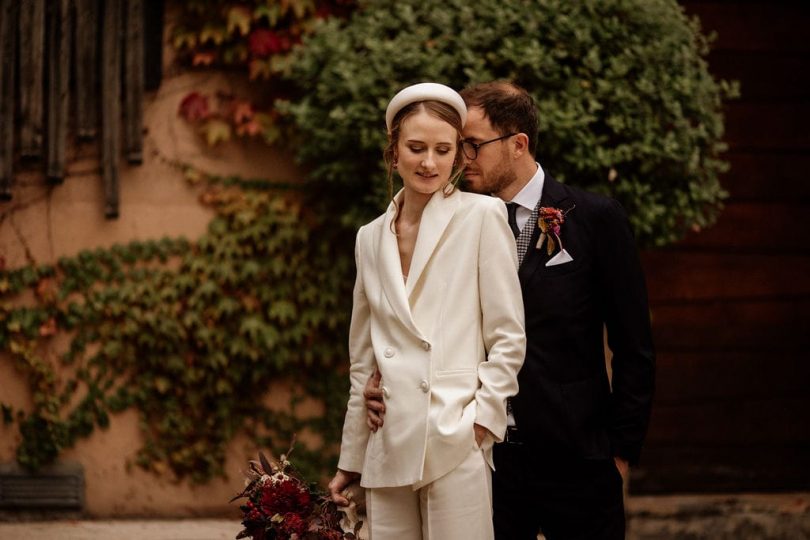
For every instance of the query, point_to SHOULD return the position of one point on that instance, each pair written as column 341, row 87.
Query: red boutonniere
column 550, row 221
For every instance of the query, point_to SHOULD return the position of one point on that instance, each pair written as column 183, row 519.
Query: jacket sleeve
column 627, row 319
column 362, row 364
column 502, row 320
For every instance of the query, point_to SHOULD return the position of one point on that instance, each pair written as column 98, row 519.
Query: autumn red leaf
column 242, row 111
column 48, row 328
column 194, row 107
column 263, row 42
column 249, row 128
column 323, row 11
column 203, row 58
column 45, row 290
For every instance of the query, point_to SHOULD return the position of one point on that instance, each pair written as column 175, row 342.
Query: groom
column 573, row 429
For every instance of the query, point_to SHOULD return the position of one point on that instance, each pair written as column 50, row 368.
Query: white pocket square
column 560, row 258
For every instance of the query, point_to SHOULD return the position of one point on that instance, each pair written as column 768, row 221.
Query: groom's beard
column 498, row 179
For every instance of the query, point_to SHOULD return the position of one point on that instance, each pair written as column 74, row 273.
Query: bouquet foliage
column 282, row 506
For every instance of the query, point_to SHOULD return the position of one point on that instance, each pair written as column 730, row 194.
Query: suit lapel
column 435, row 218
column 553, row 195
column 390, row 269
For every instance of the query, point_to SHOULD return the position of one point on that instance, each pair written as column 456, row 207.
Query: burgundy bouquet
column 280, row 506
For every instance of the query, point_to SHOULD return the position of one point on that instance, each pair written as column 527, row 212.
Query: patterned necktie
column 523, row 237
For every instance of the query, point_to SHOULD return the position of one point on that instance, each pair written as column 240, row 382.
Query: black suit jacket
column 565, row 405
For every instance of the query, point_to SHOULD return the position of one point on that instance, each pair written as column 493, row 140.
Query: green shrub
column 627, row 105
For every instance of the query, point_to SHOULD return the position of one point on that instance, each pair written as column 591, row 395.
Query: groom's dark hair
column 508, row 107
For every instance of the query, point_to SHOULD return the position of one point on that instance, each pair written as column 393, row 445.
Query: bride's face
column 425, row 152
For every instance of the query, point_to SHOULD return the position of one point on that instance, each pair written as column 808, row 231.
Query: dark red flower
column 284, row 497
column 280, row 506
column 293, row 524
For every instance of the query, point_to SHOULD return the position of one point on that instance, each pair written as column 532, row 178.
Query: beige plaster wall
column 52, row 221
column 43, row 223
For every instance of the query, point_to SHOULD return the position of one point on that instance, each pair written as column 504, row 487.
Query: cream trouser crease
column 457, row 506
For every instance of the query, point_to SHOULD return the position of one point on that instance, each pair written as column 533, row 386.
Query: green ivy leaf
column 282, row 311
column 216, row 131
column 162, row 385
column 213, row 33
column 271, row 13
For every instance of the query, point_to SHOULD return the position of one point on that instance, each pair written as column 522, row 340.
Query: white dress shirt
column 527, row 198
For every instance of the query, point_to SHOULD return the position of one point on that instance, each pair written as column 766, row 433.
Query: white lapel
column 435, row 217
column 390, row 269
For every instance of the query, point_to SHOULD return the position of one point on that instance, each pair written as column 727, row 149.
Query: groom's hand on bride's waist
column 375, row 401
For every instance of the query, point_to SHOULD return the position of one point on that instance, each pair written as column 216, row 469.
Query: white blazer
column 449, row 343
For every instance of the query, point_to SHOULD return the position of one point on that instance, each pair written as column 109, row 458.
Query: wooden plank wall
column 731, row 305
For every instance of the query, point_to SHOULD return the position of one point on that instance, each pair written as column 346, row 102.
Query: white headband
column 425, row 92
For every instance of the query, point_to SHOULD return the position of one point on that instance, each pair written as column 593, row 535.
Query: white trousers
column 457, row 506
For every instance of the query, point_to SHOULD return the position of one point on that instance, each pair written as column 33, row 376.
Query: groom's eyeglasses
column 470, row 149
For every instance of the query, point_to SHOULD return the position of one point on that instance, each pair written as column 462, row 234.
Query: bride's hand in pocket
column 480, row 434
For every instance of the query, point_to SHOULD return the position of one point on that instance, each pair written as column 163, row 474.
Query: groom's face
column 491, row 172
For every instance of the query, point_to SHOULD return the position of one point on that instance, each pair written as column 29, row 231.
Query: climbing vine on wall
column 189, row 334
column 193, row 334
column 255, row 37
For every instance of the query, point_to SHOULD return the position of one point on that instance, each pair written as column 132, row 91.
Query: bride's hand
column 339, row 483
column 480, row 434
